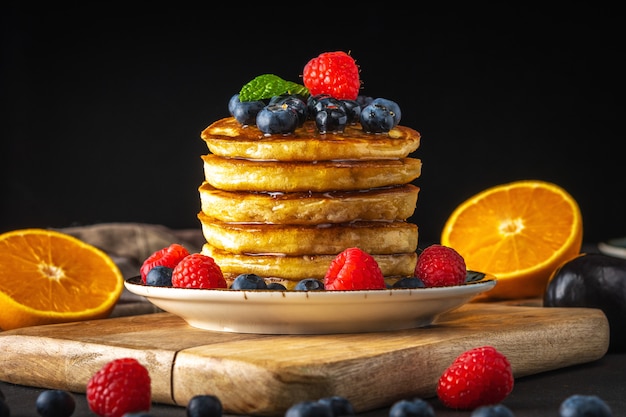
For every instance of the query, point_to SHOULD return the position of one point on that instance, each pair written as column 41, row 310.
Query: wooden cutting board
column 265, row 374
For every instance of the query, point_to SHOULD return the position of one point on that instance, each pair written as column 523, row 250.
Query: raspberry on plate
column 334, row 73
column 198, row 271
column 169, row 257
column 354, row 269
column 440, row 266
column 120, row 386
column 477, row 377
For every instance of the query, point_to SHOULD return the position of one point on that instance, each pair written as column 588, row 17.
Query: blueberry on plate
column 160, row 276
column 248, row 282
column 309, row 284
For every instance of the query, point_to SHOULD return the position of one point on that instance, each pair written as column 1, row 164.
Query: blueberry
column 248, row 282
column 276, row 286
column 409, row 282
column 277, row 119
column 331, row 120
column 309, row 409
column 295, row 102
column 584, row 406
column 497, row 410
column 340, row 406
column 322, row 102
column 160, row 276
column 376, row 118
column 309, row 284
column 246, row 111
column 392, row 106
column 204, row 405
column 353, row 110
column 55, row 403
column 411, row 408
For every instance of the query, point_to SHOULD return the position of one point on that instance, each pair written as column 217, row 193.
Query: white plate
column 308, row 312
column 614, row 247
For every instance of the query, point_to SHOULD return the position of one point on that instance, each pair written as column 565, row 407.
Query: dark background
column 103, row 105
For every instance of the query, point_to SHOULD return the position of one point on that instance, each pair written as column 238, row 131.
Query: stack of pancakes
column 283, row 206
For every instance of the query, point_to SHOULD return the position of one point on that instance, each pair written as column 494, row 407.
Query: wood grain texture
column 265, row 374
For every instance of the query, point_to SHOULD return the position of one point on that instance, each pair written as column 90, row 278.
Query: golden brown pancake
column 380, row 204
column 233, row 174
column 290, row 269
column 323, row 239
column 228, row 138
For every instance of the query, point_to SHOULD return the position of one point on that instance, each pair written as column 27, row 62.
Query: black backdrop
column 103, row 107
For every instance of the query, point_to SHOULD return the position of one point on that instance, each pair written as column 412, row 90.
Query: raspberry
column 169, row 256
column 479, row 376
column 354, row 269
column 334, row 73
column 198, row 271
column 440, row 266
column 120, row 386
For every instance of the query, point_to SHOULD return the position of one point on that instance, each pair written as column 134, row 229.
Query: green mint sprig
column 269, row 85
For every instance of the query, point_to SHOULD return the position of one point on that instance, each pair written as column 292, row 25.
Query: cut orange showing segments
column 50, row 277
column 519, row 232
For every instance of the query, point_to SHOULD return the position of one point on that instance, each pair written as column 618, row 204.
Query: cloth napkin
column 128, row 245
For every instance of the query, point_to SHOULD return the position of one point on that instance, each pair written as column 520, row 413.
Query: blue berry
column 376, row 118
column 340, row 406
column 160, row 276
column 411, row 408
column 497, row 410
column 331, row 120
column 309, row 409
column 584, row 406
column 409, row 282
column 248, row 282
column 277, row 119
column 392, row 106
column 245, row 111
column 55, row 403
column 353, row 110
column 309, row 284
column 295, row 102
column 276, row 286
column 204, row 405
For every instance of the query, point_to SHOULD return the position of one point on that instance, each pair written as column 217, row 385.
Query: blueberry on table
column 204, row 405
column 411, row 408
column 55, row 403
column 309, row 409
column 584, row 405
column 340, row 406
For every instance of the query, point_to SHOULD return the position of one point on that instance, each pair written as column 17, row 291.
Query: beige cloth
column 128, row 245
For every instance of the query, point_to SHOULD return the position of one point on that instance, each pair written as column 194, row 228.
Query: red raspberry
column 120, row 386
column 198, row 271
column 479, row 376
column 354, row 269
column 440, row 266
column 334, row 73
column 169, row 257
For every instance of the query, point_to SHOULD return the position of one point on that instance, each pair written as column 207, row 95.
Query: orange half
column 51, row 277
column 519, row 232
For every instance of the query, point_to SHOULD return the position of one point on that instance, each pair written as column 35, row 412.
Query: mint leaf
column 267, row 86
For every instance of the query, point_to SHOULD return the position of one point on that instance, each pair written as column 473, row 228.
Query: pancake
column 232, row 174
column 290, row 269
column 228, row 138
column 381, row 204
column 323, row 239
